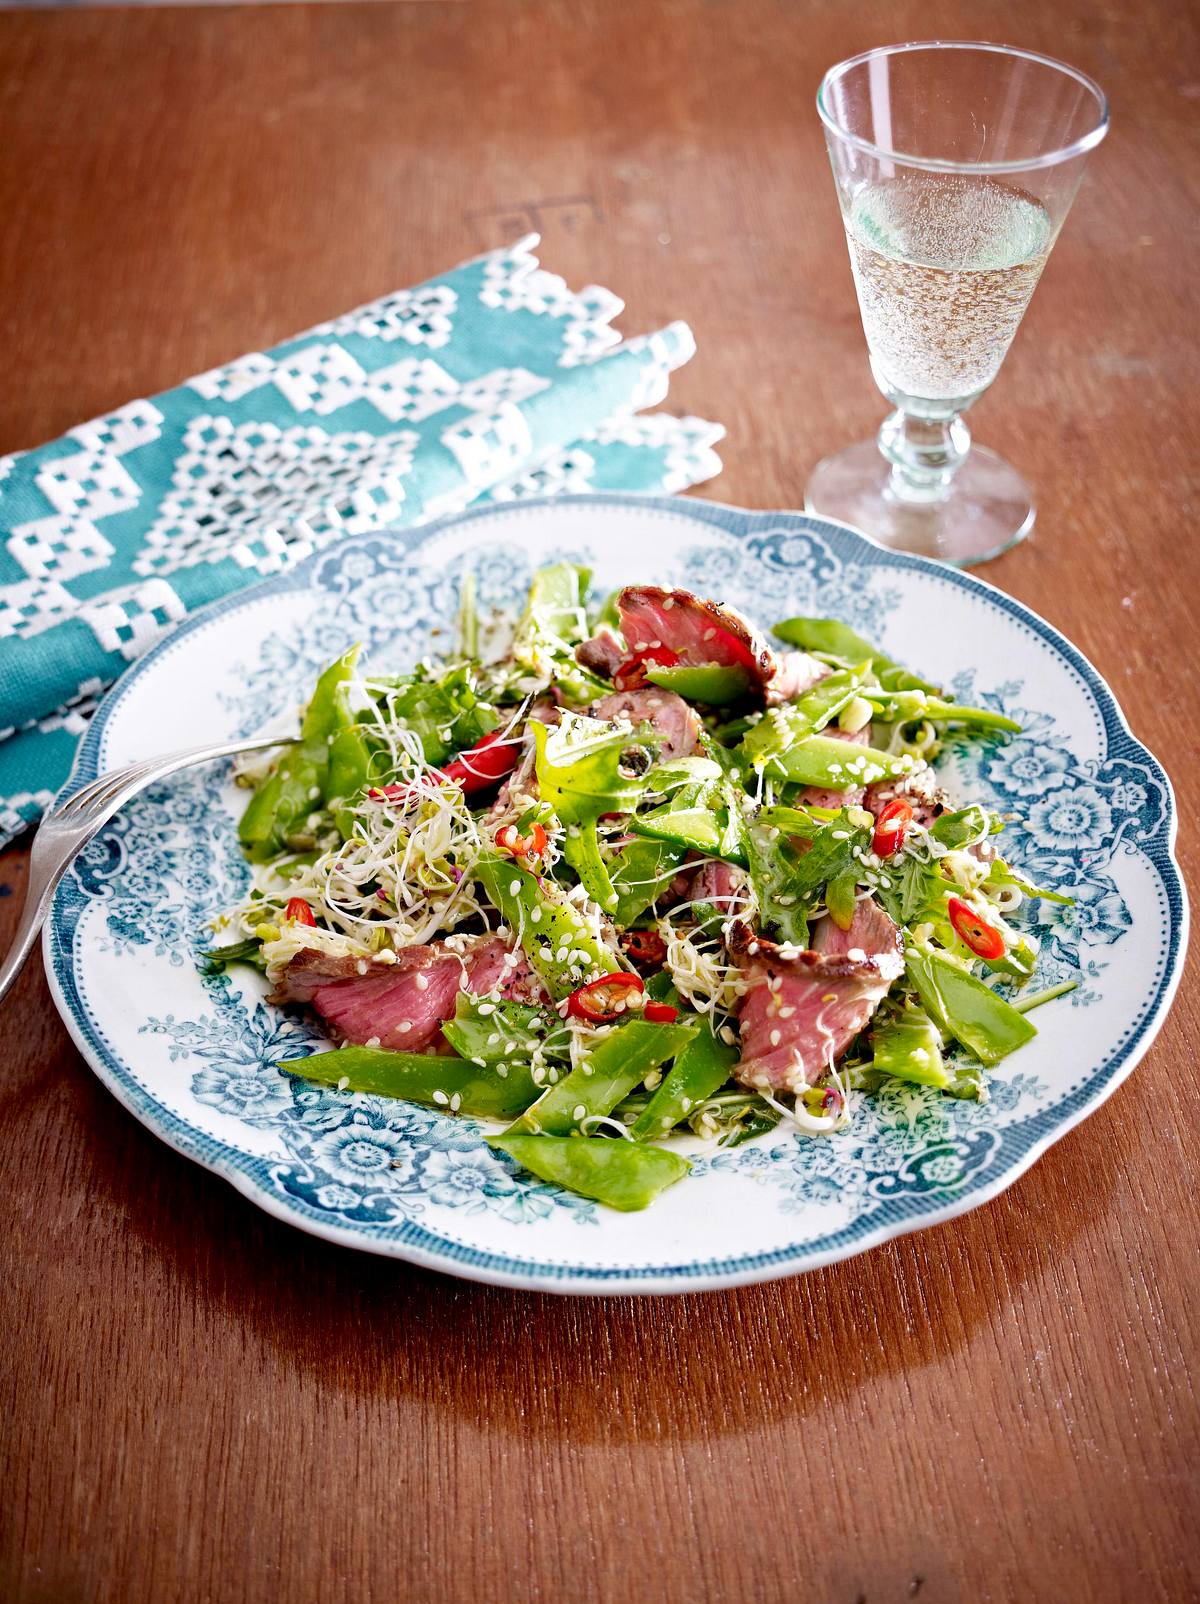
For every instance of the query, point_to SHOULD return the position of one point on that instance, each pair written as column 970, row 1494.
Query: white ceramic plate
column 192, row 1055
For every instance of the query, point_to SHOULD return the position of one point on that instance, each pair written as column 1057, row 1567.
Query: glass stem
column 925, row 454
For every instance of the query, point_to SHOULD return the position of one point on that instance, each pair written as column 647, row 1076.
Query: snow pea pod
column 713, row 683
column 964, row 1007
column 299, row 782
column 704, row 819
column 831, row 638
column 780, row 728
column 834, row 765
column 453, row 1084
column 910, row 706
column 703, row 1066
column 609, row 1072
column 617, row 1173
column 908, row 1046
column 546, row 924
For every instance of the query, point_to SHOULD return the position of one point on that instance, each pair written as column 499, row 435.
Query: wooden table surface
column 202, row 1404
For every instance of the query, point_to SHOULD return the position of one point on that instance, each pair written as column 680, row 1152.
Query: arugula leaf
column 447, row 712
column 581, row 774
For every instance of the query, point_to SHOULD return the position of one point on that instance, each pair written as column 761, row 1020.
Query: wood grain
column 204, row 1405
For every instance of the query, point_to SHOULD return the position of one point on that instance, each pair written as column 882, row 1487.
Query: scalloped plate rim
column 530, row 1275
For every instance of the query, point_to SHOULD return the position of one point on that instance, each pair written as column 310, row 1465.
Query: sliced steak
column 801, row 1010
column 720, row 884
column 670, row 716
column 817, row 797
column 871, row 932
column 603, row 654
column 696, row 631
column 403, row 1004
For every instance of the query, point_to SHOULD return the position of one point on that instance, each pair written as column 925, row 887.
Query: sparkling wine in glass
column 955, row 165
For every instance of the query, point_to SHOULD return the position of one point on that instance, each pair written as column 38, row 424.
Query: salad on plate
column 625, row 881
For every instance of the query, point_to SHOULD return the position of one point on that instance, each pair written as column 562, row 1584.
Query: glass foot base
column 987, row 509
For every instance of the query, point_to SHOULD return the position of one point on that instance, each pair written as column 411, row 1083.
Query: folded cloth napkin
column 493, row 381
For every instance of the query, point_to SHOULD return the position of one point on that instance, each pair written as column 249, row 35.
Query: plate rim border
column 509, row 1270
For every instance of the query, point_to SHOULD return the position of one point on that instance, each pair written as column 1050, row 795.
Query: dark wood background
column 201, row 1404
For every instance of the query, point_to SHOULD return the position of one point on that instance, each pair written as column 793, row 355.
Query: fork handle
column 46, row 872
column 39, row 894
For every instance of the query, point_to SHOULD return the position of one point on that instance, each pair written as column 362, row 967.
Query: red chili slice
column 631, row 674
column 509, row 840
column 891, row 827
column 300, row 911
column 984, row 940
column 597, row 1001
column 660, row 1013
column 645, row 947
column 484, row 764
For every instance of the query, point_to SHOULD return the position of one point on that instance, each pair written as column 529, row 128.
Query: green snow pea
column 349, row 775
column 713, row 683
column 703, row 1066
column 705, row 818
column 617, row 1173
column 449, row 1083
column 835, row 765
column 964, row 1007
column 298, row 785
column 780, row 728
column 248, row 951
column 831, row 638
column 908, row 1046
column 610, row 1071
column 911, row 706
column 545, row 923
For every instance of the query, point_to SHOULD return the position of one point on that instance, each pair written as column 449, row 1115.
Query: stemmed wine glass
column 956, row 165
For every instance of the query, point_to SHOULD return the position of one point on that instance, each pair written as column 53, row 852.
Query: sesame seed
column 421, row 981
column 578, row 1112
column 343, row 1083
column 441, row 1099
column 456, row 1103
column 371, row 1041
column 362, row 966
column 404, row 1026
column 776, row 1038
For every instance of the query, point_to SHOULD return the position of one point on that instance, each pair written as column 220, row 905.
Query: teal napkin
column 493, row 380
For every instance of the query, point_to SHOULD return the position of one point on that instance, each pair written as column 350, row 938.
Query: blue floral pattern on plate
column 403, row 1179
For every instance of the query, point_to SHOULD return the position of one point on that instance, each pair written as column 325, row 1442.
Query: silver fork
column 70, row 827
